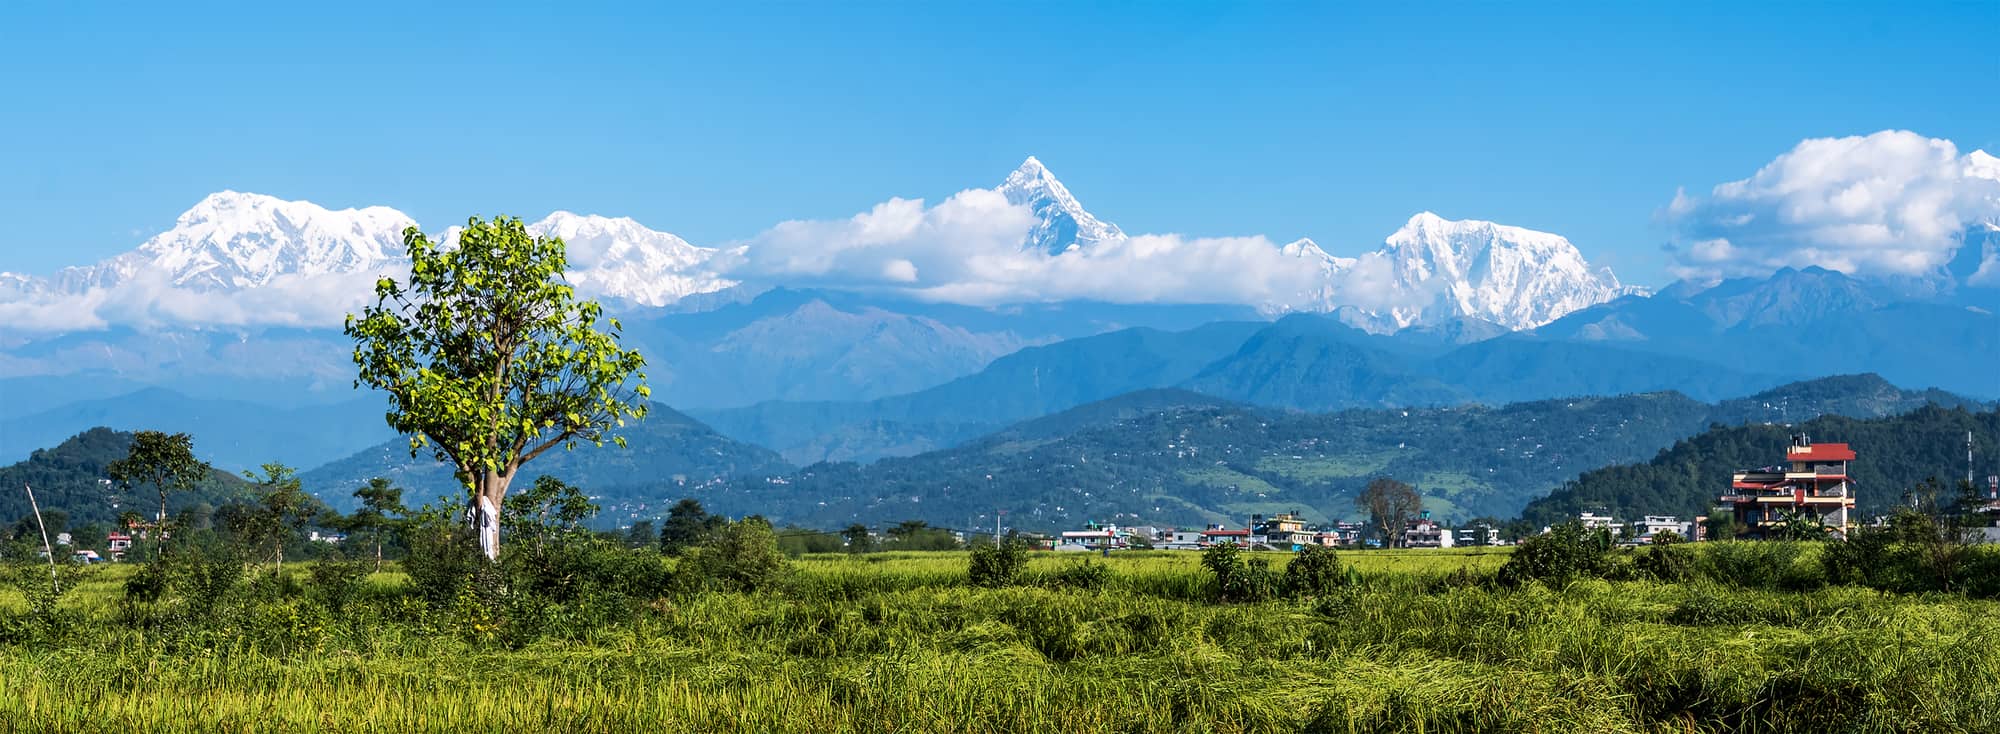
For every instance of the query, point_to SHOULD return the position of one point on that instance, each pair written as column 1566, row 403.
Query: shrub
column 1313, row 571
column 1751, row 564
column 1083, row 575
column 996, row 564
column 149, row 583
column 1566, row 551
column 740, row 556
column 1235, row 579
column 1666, row 562
column 333, row 584
column 204, row 574
column 444, row 562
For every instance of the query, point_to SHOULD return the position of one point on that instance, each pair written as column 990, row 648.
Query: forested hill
column 1202, row 462
column 1895, row 453
column 70, row 478
column 1183, row 458
column 668, row 456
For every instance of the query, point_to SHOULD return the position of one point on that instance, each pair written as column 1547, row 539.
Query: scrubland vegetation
column 576, row 632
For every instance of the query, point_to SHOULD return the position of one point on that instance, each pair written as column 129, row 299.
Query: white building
column 1655, row 524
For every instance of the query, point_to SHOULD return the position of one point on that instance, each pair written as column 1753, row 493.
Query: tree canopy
column 489, row 358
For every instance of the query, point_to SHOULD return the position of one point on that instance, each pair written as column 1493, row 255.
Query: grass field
column 899, row 642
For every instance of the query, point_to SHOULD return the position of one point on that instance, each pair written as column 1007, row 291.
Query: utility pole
column 54, row 582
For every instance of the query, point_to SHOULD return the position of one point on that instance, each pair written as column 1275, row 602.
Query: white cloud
column 1890, row 203
column 970, row 249
column 147, row 300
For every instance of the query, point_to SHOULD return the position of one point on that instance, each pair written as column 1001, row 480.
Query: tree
column 641, row 534
column 739, row 556
column 162, row 460
column 858, row 540
column 489, row 358
column 283, row 509
column 687, row 526
column 550, row 509
column 379, row 501
column 1390, row 504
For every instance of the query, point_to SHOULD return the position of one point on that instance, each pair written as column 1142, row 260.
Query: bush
column 1313, row 571
column 444, row 562
column 1866, row 558
column 149, row 583
column 1083, row 575
column 204, row 574
column 740, row 556
column 996, row 564
column 1565, row 552
column 1666, row 561
column 1757, row 565
column 333, row 584
column 1235, row 579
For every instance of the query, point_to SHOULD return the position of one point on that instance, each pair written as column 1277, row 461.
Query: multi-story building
column 1283, row 531
column 1811, row 487
column 1424, row 532
column 1478, row 534
column 1649, row 528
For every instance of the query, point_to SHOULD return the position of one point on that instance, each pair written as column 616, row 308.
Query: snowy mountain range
column 1431, row 271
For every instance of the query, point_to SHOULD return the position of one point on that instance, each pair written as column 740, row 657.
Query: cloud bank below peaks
column 975, row 247
column 1893, row 203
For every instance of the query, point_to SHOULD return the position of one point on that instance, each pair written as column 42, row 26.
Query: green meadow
column 1418, row 640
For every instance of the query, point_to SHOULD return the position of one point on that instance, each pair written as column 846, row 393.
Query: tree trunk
column 378, row 552
column 489, row 490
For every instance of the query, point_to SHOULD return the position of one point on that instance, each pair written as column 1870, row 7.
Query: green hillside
column 1183, row 458
column 1198, row 463
column 669, row 456
column 71, row 477
column 1895, row 453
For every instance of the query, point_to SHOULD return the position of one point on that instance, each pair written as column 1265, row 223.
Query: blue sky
column 714, row 122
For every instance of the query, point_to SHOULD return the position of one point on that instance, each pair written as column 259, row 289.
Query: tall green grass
column 900, row 642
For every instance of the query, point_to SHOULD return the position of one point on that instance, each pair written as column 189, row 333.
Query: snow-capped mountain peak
column 1063, row 224
column 1516, row 277
column 231, row 240
column 621, row 258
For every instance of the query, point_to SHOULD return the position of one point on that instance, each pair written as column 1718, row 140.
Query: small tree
column 996, row 564
column 1236, row 579
column 740, row 556
column 858, row 540
column 549, row 510
column 641, row 535
column 283, row 509
column 1313, row 571
column 1390, row 504
column 489, row 358
column 382, row 512
column 687, row 526
column 163, row 461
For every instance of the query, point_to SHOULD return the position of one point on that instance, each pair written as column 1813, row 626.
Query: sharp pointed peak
column 1030, row 172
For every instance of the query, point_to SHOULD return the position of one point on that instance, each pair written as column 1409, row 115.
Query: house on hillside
column 1809, row 493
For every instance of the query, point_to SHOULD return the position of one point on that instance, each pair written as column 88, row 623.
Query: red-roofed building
column 1219, row 535
column 1813, row 486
